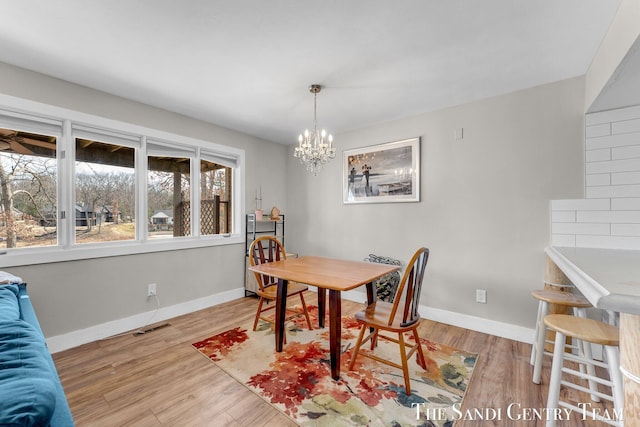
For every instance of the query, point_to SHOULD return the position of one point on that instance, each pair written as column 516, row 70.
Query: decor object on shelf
column 312, row 149
column 275, row 213
column 382, row 173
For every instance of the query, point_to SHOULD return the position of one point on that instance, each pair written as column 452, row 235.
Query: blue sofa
column 30, row 390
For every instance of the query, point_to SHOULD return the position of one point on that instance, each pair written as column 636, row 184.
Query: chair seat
column 561, row 298
column 377, row 315
column 271, row 292
column 584, row 329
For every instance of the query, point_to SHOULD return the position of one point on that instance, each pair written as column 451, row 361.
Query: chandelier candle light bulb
column 314, row 156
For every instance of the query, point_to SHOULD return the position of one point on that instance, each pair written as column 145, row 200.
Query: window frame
column 66, row 248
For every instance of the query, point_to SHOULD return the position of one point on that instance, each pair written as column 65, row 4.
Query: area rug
column 298, row 380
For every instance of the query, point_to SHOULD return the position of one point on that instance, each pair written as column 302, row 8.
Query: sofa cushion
column 27, row 384
column 9, row 307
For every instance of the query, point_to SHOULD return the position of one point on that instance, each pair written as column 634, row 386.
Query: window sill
column 44, row 255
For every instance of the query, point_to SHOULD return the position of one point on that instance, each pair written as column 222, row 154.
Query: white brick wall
column 609, row 216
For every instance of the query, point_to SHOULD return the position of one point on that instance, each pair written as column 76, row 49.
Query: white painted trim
column 478, row 324
column 66, row 250
column 105, row 330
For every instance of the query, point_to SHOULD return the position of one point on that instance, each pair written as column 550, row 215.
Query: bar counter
column 610, row 280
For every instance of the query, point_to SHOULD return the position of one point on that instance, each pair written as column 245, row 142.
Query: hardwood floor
column 158, row 379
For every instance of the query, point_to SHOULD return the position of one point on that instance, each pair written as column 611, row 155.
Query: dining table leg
column 371, row 293
column 371, row 297
column 335, row 331
column 281, row 310
column 322, row 298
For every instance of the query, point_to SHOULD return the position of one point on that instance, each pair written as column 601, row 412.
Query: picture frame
column 383, row 173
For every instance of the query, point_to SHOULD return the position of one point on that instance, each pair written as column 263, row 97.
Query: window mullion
column 195, row 194
column 66, row 186
column 142, row 203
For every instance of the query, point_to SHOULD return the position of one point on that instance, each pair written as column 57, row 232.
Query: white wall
column 79, row 295
column 484, row 209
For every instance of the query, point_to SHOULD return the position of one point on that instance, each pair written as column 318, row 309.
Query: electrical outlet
column 151, row 290
column 481, row 296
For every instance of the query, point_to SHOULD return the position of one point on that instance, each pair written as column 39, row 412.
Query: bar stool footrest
column 590, row 415
column 586, row 390
column 584, row 361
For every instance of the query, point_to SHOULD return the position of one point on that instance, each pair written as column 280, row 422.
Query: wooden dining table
column 335, row 275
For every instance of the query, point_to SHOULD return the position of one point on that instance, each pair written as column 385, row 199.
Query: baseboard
column 83, row 336
column 478, row 324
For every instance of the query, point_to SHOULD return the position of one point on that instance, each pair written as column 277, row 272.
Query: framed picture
column 382, row 173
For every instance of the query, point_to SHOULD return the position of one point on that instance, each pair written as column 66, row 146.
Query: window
column 169, row 190
column 105, row 201
column 28, row 189
column 215, row 201
column 168, row 196
column 96, row 187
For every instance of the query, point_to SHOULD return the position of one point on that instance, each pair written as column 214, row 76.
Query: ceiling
column 623, row 87
column 247, row 64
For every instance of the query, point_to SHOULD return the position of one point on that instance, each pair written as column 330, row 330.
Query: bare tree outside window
column 28, row 184
column 169, row 196
column 105, row 192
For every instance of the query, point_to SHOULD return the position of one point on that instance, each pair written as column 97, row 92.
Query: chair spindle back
column 407, row 297
column 265, row 249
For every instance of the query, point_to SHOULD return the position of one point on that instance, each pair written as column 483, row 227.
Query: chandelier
column 313, row 149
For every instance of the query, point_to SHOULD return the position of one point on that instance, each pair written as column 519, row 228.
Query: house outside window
column 105, row 179
column 96, row 187
column 168, row 194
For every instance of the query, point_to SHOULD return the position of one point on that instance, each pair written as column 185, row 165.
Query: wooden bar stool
column 546, row 297
column 587, row 331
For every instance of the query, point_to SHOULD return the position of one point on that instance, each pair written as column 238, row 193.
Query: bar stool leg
column 585, row 351
column 613, row 359
column 541, row 331
column 532, row 361
column 556, row 376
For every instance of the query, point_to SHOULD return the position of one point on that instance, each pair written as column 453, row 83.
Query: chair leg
column 420, row 356
column 556, row 376
column 306, row 313
column 255, row 322
column 356, row 349
column 541, row 338
column 405, row 366
column 374, row 339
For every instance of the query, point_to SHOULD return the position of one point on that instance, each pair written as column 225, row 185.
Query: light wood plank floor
column 158, row 379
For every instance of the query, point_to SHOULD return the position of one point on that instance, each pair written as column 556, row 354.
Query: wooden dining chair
column 268, row 249
column 396, row 318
